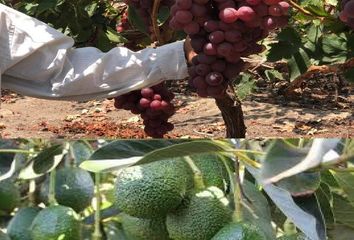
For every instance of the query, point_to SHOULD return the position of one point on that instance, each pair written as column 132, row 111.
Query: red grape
column 228, row 15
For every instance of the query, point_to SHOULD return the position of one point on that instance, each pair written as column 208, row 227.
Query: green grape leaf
column 337, row 48
column 163, row 15
column 136, row 21
column 246, row 86
column 290, row 47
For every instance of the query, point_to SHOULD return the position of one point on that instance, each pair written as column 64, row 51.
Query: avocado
column 74, row 187
column 144, row 229
column 9, row 196
column 213, row 170
column 239, row 231
column 153, row 189
column 19, row 226
column 202, row 216
column 56, row 222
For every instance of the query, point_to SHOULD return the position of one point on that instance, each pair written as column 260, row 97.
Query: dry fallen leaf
column 71, row 118
column 133, row 119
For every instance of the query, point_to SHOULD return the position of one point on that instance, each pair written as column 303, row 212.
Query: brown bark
column 231, row 110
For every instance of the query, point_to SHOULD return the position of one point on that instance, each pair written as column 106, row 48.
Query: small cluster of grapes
column 347, row 13
column 123, row 24
column 222, row 32
column 154, row 106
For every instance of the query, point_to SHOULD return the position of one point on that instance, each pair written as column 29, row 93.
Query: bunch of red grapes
column 154, row 106
column 347, row 13
column 222, row 32
column 154, row 103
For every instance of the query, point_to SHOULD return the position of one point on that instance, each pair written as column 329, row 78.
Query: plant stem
column 17, row 151
column 70, row 160
column 230, row 173
column 198, row 178
column 301, row 9
column 237, row 216
column 301, row 143
column 247, row 160
column 31, row 192
column 336, row 169
column 249, row 151
column 154, row 16
column 51, row 195
column 97, row 235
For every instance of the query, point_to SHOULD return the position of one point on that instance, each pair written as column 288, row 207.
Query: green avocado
column 203, row 215
column 239, row 231
column 213, row 170
column 144, row 229
column 19, row 226
column 56, row 222
column 9, row 196
column 74, row 188
column 151, row 190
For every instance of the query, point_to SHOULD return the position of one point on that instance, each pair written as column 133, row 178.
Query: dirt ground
column 265, row 116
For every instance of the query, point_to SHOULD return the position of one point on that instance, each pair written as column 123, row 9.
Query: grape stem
column 301, row 9
column 155, row 10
